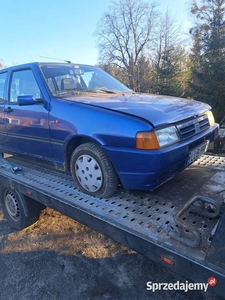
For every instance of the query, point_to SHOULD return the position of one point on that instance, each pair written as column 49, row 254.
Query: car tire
column 19, row 210
column 92, row 171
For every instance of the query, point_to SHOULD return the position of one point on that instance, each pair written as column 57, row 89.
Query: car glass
column 23, row 83
column 64, row 79
column 2, row 85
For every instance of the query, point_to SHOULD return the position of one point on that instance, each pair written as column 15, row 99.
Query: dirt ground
column 58, row 258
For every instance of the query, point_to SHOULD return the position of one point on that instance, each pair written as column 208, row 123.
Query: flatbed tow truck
column 179, row 225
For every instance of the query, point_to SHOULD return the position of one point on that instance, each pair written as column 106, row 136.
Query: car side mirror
column 28, row 100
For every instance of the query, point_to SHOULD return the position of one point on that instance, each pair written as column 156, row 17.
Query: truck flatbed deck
column 144, row 221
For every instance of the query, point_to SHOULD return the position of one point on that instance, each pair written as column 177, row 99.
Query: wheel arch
column 73, row 144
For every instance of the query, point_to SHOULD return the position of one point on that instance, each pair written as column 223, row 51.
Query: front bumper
column 146, row 170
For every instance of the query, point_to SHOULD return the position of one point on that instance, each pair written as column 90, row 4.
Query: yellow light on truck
column 167, row 260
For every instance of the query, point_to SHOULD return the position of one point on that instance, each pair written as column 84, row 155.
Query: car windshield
column 64, row 79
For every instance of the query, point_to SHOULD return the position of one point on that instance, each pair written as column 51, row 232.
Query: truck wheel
column 92, row 171
column 19, row 210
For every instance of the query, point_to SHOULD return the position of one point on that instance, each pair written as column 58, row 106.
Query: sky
column 61, row 29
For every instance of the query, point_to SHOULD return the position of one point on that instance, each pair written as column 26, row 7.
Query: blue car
column 84, row 121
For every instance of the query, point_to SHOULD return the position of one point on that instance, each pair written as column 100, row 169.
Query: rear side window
column 2, row 86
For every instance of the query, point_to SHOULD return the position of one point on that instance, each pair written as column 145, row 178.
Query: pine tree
column 208, row 54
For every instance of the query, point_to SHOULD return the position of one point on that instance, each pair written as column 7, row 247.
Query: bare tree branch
column 124, row 33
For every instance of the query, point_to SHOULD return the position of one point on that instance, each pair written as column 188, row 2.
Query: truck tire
column 19, row 210
column 92, row 171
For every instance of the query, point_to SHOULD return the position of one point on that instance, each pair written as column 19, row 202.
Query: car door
column 27, row 126
column 3, row 134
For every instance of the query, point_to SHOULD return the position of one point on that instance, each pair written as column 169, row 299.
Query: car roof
column 28, row 65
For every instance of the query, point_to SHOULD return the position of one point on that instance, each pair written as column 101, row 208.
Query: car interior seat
column 68, row 84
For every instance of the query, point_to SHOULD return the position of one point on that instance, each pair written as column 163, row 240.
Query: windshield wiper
column 60, row 93
column 78, row 91
column 102, row 90
column 69, row 91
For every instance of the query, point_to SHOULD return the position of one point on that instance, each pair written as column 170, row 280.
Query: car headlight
column 210, row 118
column 152, row 140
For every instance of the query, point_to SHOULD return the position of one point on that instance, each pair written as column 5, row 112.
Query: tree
column 208, row 54
column 169, row 59
column 116, row 72
column 124, row 34
column 146, row 73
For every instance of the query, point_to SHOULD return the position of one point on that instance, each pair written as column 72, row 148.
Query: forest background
column 147, row 50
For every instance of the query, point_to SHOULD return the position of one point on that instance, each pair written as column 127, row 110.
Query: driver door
column 27, row 126
column 3, row 134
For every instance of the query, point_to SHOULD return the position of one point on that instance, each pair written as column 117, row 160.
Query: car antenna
column 68, row 61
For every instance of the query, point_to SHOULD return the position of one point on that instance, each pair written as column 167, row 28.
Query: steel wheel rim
column 12, row 206
column 89, row 173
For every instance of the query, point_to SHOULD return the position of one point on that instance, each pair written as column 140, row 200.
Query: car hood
column 158, row 110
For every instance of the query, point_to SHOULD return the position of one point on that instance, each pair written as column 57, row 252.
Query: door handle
column 8, row 109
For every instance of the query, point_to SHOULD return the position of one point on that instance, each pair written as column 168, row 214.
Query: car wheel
column 19, row 210
column 92, row 171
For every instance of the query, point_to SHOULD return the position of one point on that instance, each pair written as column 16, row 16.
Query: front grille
column 192, row 127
